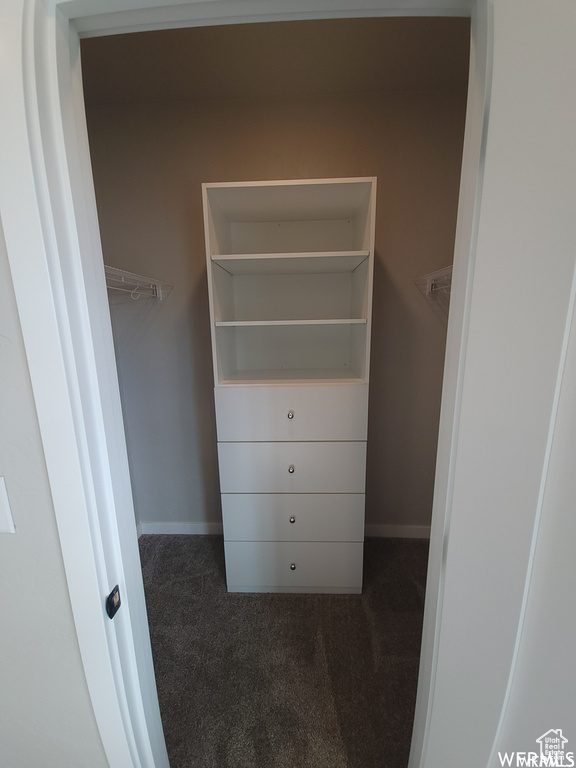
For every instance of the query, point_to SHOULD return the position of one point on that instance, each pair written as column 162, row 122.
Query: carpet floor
column 284, row 681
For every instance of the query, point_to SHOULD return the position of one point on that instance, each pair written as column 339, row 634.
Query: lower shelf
column 266, row 566
column 280, row 352
column 300, row 376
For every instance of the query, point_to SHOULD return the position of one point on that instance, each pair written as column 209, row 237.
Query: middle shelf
column 312, row 287
column 286, row 263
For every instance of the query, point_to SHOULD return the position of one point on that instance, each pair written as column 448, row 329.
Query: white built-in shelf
column 290, row 279
column 291, row 263
column 290, row 267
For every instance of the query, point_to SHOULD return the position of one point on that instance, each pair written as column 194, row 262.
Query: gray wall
column 46, row 715
column 149, row 162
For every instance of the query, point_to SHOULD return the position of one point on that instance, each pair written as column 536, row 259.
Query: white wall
column 521, row 298
column 45, row 711
column 149, row 162
column 544, row 681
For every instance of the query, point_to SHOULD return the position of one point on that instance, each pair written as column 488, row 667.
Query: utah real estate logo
column 552, row 754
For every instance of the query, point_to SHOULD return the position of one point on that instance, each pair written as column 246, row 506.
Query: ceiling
column 293, row 59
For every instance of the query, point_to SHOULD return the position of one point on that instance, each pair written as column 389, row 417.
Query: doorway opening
column 169, row 110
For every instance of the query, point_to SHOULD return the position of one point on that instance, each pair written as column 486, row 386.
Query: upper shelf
column 291, row 263
column 292, row 376
column 297, row 200
column 289, row 218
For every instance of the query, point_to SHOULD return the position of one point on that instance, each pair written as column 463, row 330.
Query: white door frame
column 49, row 216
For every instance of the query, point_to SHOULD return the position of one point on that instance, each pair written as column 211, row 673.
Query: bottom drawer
column 266, row 566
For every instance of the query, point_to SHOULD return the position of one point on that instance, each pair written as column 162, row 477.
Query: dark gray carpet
column 284, row 681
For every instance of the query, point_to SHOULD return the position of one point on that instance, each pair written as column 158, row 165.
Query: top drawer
column 338, row 412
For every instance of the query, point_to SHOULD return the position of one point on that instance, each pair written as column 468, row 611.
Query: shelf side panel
column 218, row 228
column 362, row 222
column 226, row 353
column 222, row 294
column 359, row 346
column 359, row 290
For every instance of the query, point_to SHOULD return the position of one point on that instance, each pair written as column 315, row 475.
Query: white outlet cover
column 6, row 521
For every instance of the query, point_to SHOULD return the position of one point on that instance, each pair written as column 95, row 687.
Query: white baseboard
column 180, row 528
column 398, row 531
column 371, row 531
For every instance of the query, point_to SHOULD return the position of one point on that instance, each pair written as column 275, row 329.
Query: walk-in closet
column 281, row 198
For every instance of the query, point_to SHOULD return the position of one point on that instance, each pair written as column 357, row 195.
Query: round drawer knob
column 290, row 414
column 292, row 566
column 291, row 469
column 292, row 519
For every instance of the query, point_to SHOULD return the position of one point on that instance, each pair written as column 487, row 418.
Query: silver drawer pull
column 290, row 414
column 291, row 469
column 292, row 519
column 292, row 566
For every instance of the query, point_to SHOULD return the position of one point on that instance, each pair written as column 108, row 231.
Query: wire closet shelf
column 436, row 287
column 138, row 286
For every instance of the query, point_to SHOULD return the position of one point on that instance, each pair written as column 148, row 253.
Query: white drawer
column 293, row 517
column 292, row 467
column 319, row 566
column 338, row 412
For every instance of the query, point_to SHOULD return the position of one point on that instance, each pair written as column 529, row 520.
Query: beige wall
column 149, row 162
column 46, row 717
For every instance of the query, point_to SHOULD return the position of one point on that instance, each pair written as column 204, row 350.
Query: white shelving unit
column 290, row 267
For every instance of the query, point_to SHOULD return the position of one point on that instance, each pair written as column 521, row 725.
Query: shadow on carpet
column 284, row 681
